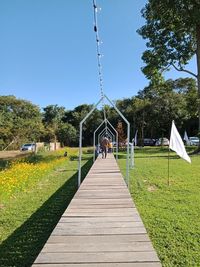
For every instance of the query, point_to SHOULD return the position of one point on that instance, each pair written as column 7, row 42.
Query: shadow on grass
column 41, row 157
column 29, row 158
column 150, row 156
column 4, row 163
column 22, row 247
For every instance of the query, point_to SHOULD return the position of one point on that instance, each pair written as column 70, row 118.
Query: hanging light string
column 99, row 55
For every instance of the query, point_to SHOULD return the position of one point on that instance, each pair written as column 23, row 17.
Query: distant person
column 104, row 146
column 97, row 151
column 110, row 146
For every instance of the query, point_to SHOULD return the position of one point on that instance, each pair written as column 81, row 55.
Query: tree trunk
column 198, row 74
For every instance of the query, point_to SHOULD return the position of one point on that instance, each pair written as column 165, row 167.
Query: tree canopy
column 172, row 30
column 150, row 112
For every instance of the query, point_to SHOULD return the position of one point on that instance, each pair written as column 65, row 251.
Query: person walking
column 104, row 146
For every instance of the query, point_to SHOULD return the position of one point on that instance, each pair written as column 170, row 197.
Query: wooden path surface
column 101, row 226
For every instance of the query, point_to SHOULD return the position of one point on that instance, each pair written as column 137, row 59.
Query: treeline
column 150, row 112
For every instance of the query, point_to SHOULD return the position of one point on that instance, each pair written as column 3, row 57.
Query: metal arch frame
column 117, row 138
column 128, row 138
column 94, row 142
column 80, row 137
column 105, row 130
column 132, row 155
column 94, row 137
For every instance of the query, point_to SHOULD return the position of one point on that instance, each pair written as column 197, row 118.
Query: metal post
column 94, row 141
column 132, row 155
column 80, row 139
column 127, row 160
column 80, row 154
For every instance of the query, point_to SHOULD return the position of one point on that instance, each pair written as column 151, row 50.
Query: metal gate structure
column 81, row 136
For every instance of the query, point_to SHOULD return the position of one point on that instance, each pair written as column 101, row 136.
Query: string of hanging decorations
column 99, row 55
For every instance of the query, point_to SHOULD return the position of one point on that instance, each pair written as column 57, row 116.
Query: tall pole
column 94, row 147
column 168, row 182
column 80, row 154
column 127, row 159
column 132, row 155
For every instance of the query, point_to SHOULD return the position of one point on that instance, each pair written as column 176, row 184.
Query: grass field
column 41, row 188
column 171, row 214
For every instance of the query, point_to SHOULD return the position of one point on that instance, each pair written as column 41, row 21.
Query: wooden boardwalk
column 101, row 226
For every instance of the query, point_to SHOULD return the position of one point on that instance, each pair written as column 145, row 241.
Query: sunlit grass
column 24, row 173
column 170, row 213
column 29, row 213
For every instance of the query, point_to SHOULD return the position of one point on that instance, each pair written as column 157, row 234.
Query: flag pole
column 168, row 182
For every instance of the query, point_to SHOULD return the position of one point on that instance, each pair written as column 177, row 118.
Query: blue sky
column 48, row 50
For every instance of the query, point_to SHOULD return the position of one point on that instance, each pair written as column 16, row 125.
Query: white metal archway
column 81, row 134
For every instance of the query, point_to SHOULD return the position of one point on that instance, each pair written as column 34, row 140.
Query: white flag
column 176, row 144
column 186, row 138
column 135, row 138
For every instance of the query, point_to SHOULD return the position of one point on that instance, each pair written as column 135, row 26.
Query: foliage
column 150, row 112
column 75, row 116
column 20, row 120
column 52, row 119
column 67, row 134
column 172, row 30
column 170, row 213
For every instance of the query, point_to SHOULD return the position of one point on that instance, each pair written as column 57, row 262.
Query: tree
column 52, row 118
column 67, row 134
column 75, row 116
column 121, row 134
column 173, row 32
column 20, row 121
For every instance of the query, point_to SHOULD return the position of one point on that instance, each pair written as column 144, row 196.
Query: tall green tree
column 75, row 116
column 173, row 31
column 67, row 134
column 52, row 119
column 20, row 121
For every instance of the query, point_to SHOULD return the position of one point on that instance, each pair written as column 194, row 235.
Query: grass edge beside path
column 170, row 213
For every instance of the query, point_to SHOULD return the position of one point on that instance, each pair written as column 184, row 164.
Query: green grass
column 28, row 218
column 171, row 214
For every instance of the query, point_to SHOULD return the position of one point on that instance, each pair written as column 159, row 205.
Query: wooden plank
column 101, row 201
column 97, row 257
column 98, row 247
column 132, row 264
column 90, row 224
column 98, row 239
column 90, row 205
column 130, row 210
column 98, row 231
column 100, row 219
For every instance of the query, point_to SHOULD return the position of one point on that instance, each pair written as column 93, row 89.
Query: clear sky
column 48, row 50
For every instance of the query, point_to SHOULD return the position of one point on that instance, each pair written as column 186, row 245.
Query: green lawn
column 171, row 214
column 28, row 217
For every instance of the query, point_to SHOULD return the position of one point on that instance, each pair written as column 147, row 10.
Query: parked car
column 28, row 147
column 162, row 142
column 149, row 142
column 193, row 141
